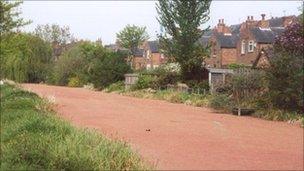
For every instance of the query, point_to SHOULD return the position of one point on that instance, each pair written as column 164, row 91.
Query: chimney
column 251, row 18
column 263, row 16
column 263, row 23
column 222, row 28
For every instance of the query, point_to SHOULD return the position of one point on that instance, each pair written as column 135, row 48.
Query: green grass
column 33, row 137
column 172, row 96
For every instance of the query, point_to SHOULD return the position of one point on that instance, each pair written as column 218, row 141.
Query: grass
column 33, row 137
column 171, row 96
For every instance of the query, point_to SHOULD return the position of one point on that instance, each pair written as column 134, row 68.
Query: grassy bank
column 32, row 137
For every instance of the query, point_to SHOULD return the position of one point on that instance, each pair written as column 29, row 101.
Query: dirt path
column 180, row 136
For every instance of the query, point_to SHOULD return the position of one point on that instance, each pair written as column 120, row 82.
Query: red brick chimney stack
column 222, row 28
column 263, row 23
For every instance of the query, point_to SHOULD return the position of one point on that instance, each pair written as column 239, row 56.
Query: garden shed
column 130, row 79
column 217, row 76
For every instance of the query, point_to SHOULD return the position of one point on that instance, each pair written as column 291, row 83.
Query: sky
column 91, row 20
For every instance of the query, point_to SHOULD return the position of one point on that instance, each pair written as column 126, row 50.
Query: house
column 138, row 60
column 146, row 56
column 154, row 58
column 243, row 43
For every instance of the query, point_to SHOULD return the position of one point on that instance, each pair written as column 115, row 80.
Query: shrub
column 144, row 81
column 108, row 68
column 221, row 102
column 74, row 82
column 277, row 115
column 118, row 86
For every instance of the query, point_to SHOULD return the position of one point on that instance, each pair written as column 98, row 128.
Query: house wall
column 228, row 56
column 138, row 63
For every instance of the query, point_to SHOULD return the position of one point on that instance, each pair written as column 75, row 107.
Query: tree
column 108, row 68
column 181, row 20
column 24, row 58
column 286, row 71
column 9, row 16
column 54, row 33
column 131, row 37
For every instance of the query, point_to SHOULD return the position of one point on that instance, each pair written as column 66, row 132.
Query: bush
column 74, row 82
column 108, row 68
column 143, row 82
column 277, row 115
column 221, row 102
column 36, row 139
column 118, row 86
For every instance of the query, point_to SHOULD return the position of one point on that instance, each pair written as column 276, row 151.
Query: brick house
column 147, row 56
column 243, row 43
column 154, row 58
column 139, row 59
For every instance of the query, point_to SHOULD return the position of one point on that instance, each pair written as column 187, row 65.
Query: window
column 251, row 46
column 148, row 66
column 243, row 47
column 162, row 56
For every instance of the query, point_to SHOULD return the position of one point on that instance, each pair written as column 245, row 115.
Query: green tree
column 75, row 63
column 24, row 57
column 108, row 68
column 9, row 16
column 181, row 20
column 131, row 37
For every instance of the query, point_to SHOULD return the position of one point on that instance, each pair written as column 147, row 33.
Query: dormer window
column 251, row 46
column 243, row 46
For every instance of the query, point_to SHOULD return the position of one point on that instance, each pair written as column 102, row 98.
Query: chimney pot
column 263, row 16
column 223, row 21
column 248, row 18
column 219, row 21
column 251, row 17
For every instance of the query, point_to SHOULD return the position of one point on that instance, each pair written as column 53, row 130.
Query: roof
column 266, row 35
column 235, row 29
column 276, row 22
column 139, row 53
column 227, row 41
column 268, row 53
column 154, row 46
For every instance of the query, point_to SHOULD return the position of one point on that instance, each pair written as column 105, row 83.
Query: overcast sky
column 103, row 19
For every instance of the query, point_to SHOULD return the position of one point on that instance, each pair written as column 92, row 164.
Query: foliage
column 144, row 81
column 34, row 138
column 291, row 40
column 131, row 37
column 286, row 72
column 54, row 33
column 236, row 66
column 286, row 76
column 221, row 102
column 247, row 86
column 171, row 96
column 24, row 58
column 10, row 16
column 74, row 82
column 72, row 63
column 108, row 68
column 163, row 76
column 116, row 87
column 277, row 115
column 181, row 20
column 201, row 85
